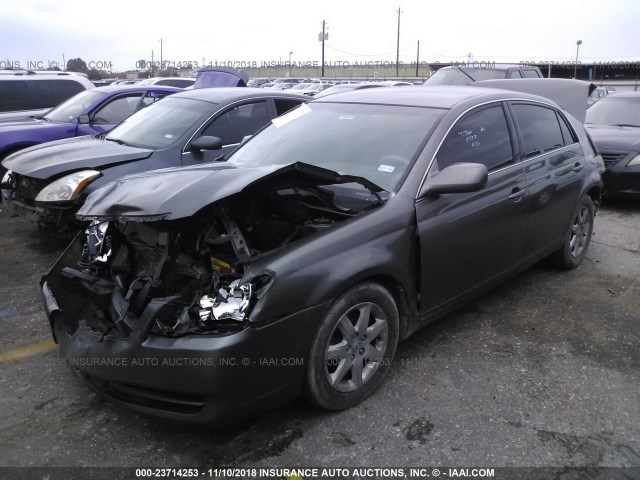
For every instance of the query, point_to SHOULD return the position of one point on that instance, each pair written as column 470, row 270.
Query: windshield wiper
column 473, row 79
column 626, row 125
column 119, row 142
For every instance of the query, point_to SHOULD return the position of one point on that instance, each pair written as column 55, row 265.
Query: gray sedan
column 299, row 264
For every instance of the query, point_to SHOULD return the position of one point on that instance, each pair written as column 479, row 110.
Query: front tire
column 577, row 238
column 353, row 348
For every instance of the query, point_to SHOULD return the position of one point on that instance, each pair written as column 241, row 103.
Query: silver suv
column 25, row 92
column 468, row 75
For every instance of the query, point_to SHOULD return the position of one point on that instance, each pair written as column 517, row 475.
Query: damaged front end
column 132, row 278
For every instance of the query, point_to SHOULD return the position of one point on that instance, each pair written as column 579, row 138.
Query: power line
column 402, row 49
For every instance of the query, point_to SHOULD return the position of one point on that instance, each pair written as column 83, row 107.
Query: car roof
column 441, row 96
column 135, row 88
column 223, row 94
column 623, row 94
column 31, row 73
column 7, row 75
column 490, row 66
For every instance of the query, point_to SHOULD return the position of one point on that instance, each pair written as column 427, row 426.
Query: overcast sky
column 122, row 32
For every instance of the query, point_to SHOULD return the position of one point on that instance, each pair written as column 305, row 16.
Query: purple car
column 89, row 112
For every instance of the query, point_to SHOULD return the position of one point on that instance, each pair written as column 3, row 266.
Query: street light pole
column 398, row 44
column 290, row 53
column 575, row 68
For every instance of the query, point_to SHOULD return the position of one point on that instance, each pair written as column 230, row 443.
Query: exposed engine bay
column 173, row 277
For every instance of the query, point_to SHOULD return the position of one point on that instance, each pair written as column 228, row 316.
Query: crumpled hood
column 181, row 192
column 54, row 158
column 610, row 137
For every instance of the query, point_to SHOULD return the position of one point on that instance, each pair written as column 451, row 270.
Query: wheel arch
column 595, row 192
column 407, row 312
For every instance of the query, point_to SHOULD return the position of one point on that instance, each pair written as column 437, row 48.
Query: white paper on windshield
column 287, row 117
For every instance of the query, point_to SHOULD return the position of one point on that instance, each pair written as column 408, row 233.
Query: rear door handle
column 517, row 194
column 578, row 167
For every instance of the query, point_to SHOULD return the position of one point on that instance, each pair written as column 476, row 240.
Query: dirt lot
column 543, row 371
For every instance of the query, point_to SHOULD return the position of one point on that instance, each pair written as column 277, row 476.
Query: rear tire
column 577, row 238
column 353, row 348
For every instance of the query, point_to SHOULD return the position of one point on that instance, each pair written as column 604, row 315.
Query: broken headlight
column 8, row 185
column 234, row 301
column 67, row 188
column 97, row 248
column 8, row 181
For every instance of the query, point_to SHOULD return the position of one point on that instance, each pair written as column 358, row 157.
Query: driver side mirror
column 84, row 119
column 457, row 178
column 206, row 143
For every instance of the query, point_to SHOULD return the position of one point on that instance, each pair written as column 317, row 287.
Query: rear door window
column 116, row 110
column 233, row 125
column 540, row 129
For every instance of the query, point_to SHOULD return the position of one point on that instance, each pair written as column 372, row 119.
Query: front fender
column 313, row 271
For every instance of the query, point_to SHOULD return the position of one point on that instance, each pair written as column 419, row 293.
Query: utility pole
column 322, row 37
column 398, row 44
column 418, row 58
column 161, row 64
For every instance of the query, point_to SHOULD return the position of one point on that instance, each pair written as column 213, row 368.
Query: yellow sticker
column 219, row 264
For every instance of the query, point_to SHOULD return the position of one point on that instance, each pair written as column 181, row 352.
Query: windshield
column 68, row 111
column 456, row 76
column 376, row 142
column 160, row 124
column 613, row 110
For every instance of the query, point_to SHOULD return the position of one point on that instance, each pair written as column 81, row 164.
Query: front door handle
column 517, row 194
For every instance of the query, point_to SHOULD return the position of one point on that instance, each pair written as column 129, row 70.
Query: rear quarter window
column 14, row 96
column 53, row 92
column 530, row 74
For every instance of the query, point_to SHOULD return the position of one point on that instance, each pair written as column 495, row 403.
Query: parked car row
column 52, row 181
column 327, row 230
column 180, row 82
column 92, row 111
